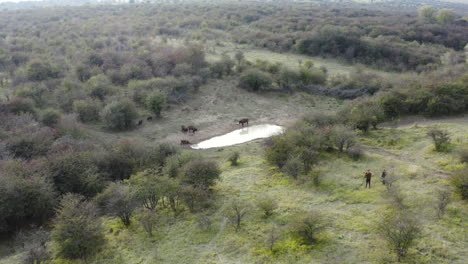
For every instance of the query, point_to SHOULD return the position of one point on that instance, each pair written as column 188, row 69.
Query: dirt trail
column 416, row 158
column 424, row 121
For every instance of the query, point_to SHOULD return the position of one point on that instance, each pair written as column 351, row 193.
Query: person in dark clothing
column 384, row 174
column 368, row 176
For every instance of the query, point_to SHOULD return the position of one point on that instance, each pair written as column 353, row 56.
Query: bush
column 463, row 155
column 234, row 158
column 40, row 71
column 34, row 244
column 27, row 197
column 75, row 172
column 119, row 200
column 255, row 80
column 200, row 173
column 119, row 115
column 77, row 230
column 355, row 153
column 50, row 117
column 400, row 230
column 99, row 86
column 235, row 212
column 440, row 138
column 460, row 181
column 156, row 102
column 267, row 206
column 20, row 105
column 308, row 227
column 87, row 110
column 293, row 166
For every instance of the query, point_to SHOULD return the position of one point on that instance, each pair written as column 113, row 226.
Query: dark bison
column 140, row 122
column 184, row 129
column 149, row 118
column 184, row 142
column 244, row 121
column 192, row 129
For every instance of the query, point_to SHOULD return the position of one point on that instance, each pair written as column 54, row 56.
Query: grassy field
column 351, row 211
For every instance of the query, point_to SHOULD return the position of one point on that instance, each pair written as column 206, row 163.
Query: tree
column 235, row 212
column 440, row 138
column 119, row 200
column 446, row 16
column 119, row 115
column 148, row 220
column 147, row 188
column 200, row 173
column 77, row 230
column 156, row 102
column 400, row 229
column 427, row 14
column 255, row 80
column 343, row 138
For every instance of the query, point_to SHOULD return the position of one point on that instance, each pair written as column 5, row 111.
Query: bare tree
column 235, row 212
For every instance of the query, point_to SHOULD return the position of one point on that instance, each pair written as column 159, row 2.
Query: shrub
column 255, row 80
column 156, row 102
column 440, row 138
column 119, row 115
column 77, row 230
column 148, row 220
column 400, row 230
column 355, row 153
column 235, row 212
column 50, row 117
column 99, row 86
column 307, row 227
column 20, row 105
column 443, row 199
column 87, row 110
column 28, row 146
column 27, row 197
column 200, row 173
column 463, row 155
column 460, row 181
column 267, row 206
column 40, row 71
column 34, row 244
column 75, row 172
column 234, row 158
column 293, row 166
column 119, row 200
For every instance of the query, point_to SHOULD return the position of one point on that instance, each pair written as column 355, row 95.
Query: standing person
column 384, row 174
column 368, row 176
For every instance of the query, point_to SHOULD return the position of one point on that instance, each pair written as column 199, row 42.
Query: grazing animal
column 192, row 129
column 149, row 118
column 140, row 122
column 184, row 142
column 184, row 129
column 244, row 121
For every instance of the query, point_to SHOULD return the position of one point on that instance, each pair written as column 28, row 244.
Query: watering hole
column 239, row 136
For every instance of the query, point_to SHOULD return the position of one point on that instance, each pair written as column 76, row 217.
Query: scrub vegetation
column 93, row 99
